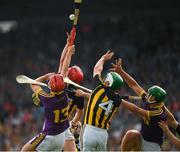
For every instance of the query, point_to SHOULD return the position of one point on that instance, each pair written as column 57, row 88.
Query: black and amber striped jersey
column 102, row 106
column 74, row 101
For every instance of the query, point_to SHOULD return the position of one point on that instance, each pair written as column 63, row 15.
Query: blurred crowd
column 149, row 48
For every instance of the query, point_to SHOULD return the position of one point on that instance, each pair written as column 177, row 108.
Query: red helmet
column 56, row 83
column 75, row 74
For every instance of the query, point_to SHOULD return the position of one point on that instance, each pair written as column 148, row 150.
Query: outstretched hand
column 79, row 93
column 108, row 55
column 75, row 128
column 163, row 126
column 117, row 66
column 68, row 38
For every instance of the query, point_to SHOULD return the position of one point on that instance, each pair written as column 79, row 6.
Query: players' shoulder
column 97, row 80
column 49, row 94
column 155, row 112
column 44, row 94
column 112, row 95
column 159, row 109
column 117, row 97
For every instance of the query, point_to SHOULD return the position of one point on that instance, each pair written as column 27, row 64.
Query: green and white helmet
column 158, row 93
column 114, row 79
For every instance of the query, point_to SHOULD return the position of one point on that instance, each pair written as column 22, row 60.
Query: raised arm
column 99, row 65
column 67, row 60
column 42, row 78
column 169, row 134
column 63, row 54
column 117, row 67
column 170, row 119
column 81, row 93
column 135, row 109
column 77, row 116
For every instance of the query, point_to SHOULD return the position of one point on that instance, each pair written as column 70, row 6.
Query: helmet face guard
column 114, row 80
column 156, row 94
column 56, row 83
column 75, row 74
column 150, row 99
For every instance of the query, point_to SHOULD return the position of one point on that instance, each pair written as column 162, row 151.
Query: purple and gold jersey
column 150, row 129
column 56, row 112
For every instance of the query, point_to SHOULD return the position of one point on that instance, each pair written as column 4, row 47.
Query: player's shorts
column 94, row 139
column 44, row 142
column 149, row 146
column 69, row 135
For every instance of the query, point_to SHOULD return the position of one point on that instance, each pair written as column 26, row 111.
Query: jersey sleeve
column 79, row 102
column 36, row 99
column 118, row 99
column 70, row 90
column 97, row 81
column 45, row 94
column 143, row 95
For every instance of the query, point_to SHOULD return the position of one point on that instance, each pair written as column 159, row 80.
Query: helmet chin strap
column 148, row 99
column 106, row 83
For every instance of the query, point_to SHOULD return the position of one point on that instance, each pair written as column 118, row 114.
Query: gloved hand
column 75, row 128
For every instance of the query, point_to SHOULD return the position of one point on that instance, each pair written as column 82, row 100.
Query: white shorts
column 44, row 142
column 69, row 135
column 149, row 146
column 94, row 139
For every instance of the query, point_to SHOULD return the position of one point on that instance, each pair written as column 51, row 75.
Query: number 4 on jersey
column 107, row 106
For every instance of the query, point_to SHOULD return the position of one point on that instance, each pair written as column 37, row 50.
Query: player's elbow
column 98, row 68
column 80, row 110
column 97, row 71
